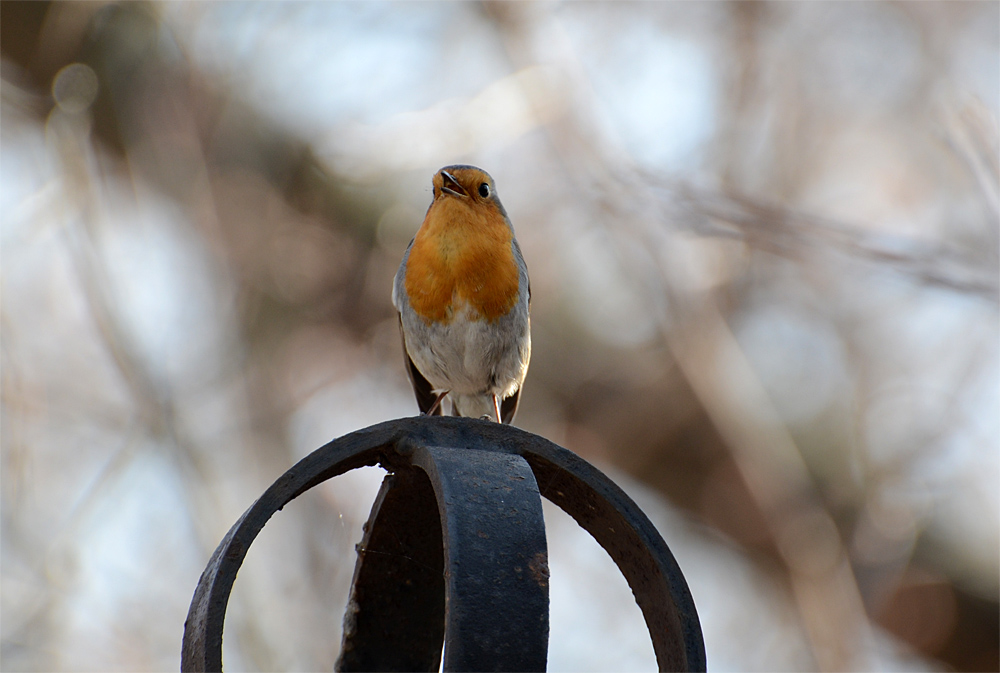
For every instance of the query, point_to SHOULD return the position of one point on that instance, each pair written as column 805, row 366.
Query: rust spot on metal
column 539, row 567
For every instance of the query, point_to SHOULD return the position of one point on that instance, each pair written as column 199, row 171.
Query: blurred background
column 763, row 242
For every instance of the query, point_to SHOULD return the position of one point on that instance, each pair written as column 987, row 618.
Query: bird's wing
column 421, row 387
column 508, row 407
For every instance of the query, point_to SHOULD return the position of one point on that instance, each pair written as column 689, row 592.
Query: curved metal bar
column 596, row 503
column 496, row 561
column 395, row 615
column 483, row 509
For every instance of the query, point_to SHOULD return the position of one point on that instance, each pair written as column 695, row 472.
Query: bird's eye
column 484, row 190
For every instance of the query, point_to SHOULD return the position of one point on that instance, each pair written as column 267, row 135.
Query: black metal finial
column 454, row 551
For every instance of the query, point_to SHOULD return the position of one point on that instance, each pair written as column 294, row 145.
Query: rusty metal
column 400, row 611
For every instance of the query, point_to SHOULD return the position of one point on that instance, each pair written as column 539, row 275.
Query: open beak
column 450, row 185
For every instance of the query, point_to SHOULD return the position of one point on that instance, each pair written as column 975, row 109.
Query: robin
column 462, row 294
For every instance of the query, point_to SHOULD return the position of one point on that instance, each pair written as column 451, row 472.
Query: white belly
column 470, row 357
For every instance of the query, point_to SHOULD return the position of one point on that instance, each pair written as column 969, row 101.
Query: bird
column 463, row 297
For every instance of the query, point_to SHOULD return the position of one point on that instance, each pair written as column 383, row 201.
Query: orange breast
column 462, row 255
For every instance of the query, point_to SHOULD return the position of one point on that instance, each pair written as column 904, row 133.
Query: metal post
column 451, row 554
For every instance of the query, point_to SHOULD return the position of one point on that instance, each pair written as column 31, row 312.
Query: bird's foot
column 437, row 403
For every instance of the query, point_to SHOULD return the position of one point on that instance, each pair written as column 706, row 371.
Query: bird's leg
column 437, row 403
column 496, row 406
